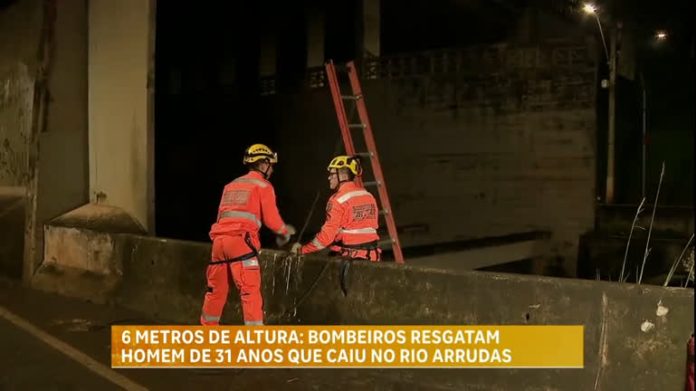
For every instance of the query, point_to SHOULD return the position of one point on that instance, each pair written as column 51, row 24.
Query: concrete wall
column 121, row 135
column 63, row 163
column 466, row 154
column 21, row 57
column 43, row 124
column 21, row 24
column 165, row 279
column 61, row 177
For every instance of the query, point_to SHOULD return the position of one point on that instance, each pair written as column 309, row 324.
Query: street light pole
column 601, row 32
column 611, row 131
column 611, row 57
column 644, row 134
column 611, row 136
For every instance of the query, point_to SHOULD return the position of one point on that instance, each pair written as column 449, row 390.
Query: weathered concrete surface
column 99, row 218
column 165, row 279
column 618, row 354
column 80, row 256
column 12, row 214
column 22, row 66
column 121, row 83
column 59, row 181
column 21, row 24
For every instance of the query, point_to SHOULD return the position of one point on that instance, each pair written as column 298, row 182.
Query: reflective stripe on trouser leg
column 248, row 281
column 209, row 319
column 215, row 298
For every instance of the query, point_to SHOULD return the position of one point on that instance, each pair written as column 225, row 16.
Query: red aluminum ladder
column 359, row 100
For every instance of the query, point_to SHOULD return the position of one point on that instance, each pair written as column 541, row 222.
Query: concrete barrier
column 618, row 354
column 81, row 255
column 165, row 279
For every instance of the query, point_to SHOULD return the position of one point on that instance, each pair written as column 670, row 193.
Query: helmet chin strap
column 344, row 180
column 264, row 173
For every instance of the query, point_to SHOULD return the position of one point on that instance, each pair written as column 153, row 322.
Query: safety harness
column 351, row 250
column 254, row 253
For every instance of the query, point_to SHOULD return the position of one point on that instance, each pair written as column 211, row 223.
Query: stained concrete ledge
column 165, row 278
column 81, row 258
column 481, row 253
column 99, row 218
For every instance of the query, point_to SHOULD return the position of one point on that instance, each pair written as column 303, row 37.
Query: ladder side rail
column 374, row 160
column 340, row 109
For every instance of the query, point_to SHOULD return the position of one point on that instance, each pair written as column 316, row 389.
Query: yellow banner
column 347, row 346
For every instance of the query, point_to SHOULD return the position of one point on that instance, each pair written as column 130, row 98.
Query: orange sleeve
column 269, row 211
column 329, row 231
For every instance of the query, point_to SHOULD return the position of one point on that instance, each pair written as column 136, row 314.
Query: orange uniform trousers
column 246, row 275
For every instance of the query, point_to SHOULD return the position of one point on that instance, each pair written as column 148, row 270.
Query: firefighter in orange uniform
column 351, row 223
column 247, row 202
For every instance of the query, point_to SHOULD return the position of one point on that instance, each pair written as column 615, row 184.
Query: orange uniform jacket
column 351, row 218
column 247, row 202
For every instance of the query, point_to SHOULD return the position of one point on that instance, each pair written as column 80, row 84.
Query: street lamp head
column 660, row 35
column 589, row 8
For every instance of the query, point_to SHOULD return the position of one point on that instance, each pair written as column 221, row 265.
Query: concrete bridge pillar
column 121, row 114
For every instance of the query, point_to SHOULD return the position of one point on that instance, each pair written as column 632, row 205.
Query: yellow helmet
column 258, row 152
column 349, row 162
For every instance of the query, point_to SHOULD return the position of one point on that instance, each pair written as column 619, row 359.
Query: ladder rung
column 364, row 154
column 372, row 183
column 351, row 97
column 357, row 126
